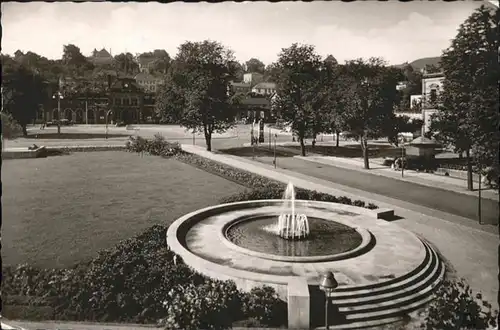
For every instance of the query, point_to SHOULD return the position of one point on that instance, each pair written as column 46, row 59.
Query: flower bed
column 139, row 281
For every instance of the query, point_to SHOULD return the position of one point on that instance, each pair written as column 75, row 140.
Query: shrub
column 158, row 146
column 10, row 128
column 212, row 305
column 455, row 307
column 264, row 306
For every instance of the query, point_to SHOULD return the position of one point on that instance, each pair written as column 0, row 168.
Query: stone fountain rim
column 210, row 268
column 366, row 240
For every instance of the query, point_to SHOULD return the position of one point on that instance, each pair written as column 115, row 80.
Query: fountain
column 292, row 225
column 288, row 244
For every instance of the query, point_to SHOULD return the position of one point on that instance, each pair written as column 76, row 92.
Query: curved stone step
column 370, row 288
column 396, row 303
column 427, row 267
column 409, row 287
column 384, row 305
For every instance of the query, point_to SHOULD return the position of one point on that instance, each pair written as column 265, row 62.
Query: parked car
column 50, row 123
column 120, row 124
column 66, row 122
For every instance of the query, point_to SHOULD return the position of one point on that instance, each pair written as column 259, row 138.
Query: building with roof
column 254, row 108
column 432, row 86
column 101, row 57
column 126, row 99
column 240, row 87
column 150, row 83
column 253, row 78
column 264, row 88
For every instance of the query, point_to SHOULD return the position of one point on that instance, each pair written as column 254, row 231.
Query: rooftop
column 147, row 77
column 265, row 85
column 256, row 101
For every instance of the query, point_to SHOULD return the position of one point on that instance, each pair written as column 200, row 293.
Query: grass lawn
column 58, row 211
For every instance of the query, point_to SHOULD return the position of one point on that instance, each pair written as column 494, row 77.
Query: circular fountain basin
column 257, row 234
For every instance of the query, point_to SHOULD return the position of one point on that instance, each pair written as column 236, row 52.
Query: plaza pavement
column 470, row 247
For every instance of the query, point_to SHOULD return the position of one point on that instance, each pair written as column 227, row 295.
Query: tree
column 170, row 100
column 74, row 60
column 371, row 88
column 334, row 104
column 255, row 65
column 23, row 92
column 271, row 73
column 239, row 70
column 413, row 86
column 297, row 83
column 468, row 110
column 200, row 80
column 125, row 63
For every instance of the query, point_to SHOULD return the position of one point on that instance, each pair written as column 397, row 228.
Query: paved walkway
column 471, row 248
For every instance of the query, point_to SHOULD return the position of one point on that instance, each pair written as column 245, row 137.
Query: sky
column 397, row 31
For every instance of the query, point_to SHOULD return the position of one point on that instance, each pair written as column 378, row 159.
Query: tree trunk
column 58, row 128
column 208, row 138
column 338, row 138
column 364, row 147
column 25, row 130
column 313, row 142
column 470, row 185
column 302, row 147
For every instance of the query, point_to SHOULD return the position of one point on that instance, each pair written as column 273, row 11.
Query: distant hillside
column 422, row 62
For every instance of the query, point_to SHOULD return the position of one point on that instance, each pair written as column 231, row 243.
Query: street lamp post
column 275, row 137
column 270, row 134
column 403, row 157
column 328, row 285
column 194, row 137
column 59, row 96
column 107, row 115
column 479, row 196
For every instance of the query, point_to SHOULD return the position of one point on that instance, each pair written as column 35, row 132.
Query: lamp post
column 59, row 97
column 107, row 115
column 194, row 137
column 275, row 137
column 328, row 285
column 479, row 195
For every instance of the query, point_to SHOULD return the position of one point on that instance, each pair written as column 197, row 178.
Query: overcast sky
column 394, row 30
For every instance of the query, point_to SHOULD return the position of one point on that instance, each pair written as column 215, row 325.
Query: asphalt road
column 434, row 198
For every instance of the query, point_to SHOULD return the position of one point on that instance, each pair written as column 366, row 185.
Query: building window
column 134, row 102
column 433, row 95
column 126, row 101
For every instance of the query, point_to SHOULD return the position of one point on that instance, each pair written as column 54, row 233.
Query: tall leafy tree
column 334, row 102
column 201, row 79
column 255, row 65
column 298, row 69
column 125, row 63
column 371, row 88
column 468, row 112
column 75, row 61
column 23, row 93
